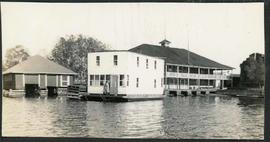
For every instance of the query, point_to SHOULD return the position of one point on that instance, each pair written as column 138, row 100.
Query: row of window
column 146, row 63
column 155, row 83
column 64, row 78
column 115, row 62
column 185, row 81
column 100, row 80
column 182, row 69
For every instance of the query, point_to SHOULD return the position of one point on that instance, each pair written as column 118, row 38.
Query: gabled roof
column 178, row 56
column 38, row 64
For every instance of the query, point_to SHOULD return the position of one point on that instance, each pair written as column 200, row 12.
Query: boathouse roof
column 39, row 65
column 178, row 56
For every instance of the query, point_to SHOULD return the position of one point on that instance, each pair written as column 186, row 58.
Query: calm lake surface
column 174, row 117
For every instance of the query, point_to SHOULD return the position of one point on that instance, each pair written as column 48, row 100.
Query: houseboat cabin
column 129, row 74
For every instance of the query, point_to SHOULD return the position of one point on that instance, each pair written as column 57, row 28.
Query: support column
column 23, row 81
column 60, row 80
column 177, row 83
column 221, row 84
column 57, row 81
column 199, row 77
column 188, row 76
column 68, row 80
column 188, row 82
column 38, row 80
column 198, row 83
column 45, row 80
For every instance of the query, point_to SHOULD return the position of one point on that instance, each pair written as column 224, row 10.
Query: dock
column 110, row 98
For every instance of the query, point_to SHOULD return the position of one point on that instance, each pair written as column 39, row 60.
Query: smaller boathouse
column 37, row 70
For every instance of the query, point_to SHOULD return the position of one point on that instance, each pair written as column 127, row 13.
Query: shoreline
column 243, row 92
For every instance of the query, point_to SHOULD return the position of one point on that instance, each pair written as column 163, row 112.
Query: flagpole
column 188, row 58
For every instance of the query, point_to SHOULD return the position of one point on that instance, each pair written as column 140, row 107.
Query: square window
column 138, row 61
column 137, row 82
column 122, row 77
column 96, row 82
column 146, row 63
column 115, row 60
column 91, row 80
column 107, row 77
column 102, row 80
column 97, row 60
column 64, row 80
column 127, row 80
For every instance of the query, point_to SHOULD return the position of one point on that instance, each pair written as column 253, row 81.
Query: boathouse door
column 114, row 85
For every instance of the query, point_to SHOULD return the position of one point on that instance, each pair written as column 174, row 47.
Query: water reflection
column 252, row 107
column 173, row 117
column 67, row 121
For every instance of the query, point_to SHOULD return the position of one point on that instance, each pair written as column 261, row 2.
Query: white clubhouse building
column 130, row 74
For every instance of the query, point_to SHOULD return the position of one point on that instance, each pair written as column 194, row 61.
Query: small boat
column 13, row 93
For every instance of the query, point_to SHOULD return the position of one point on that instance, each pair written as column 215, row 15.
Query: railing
column 191, row 87
column 197, row 76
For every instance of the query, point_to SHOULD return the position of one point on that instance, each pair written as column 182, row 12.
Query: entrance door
column 114, row 85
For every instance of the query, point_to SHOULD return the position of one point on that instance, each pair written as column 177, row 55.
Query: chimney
column 164, row 43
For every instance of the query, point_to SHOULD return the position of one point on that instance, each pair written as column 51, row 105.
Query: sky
column 227, row 33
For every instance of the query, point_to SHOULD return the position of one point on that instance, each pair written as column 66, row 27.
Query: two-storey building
column 186, row 70
column 131, row 75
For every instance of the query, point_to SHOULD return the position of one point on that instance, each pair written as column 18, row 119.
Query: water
column 174, row 117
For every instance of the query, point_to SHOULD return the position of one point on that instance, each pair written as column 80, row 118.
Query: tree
column 15, row 55
column 71, row 52
column 252, row 72
column 3, row 68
